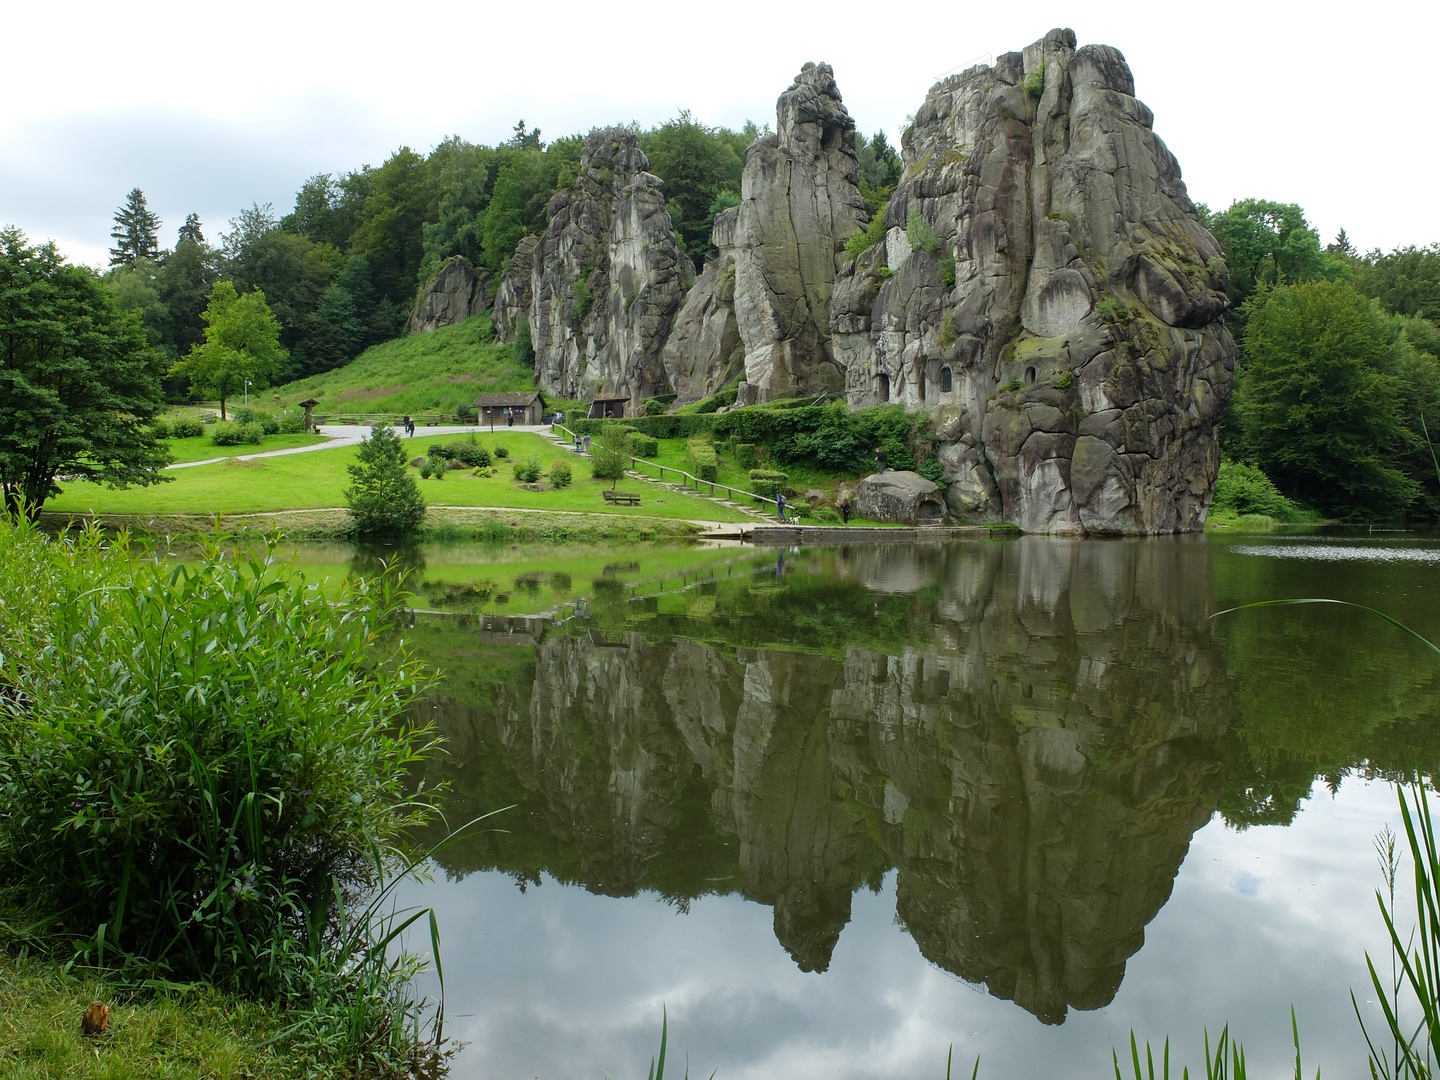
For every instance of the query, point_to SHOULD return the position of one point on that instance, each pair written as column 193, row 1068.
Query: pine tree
column 135, row 231
column 384, row 499
column 191, row 230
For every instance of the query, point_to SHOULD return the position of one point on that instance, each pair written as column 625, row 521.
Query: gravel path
column 353, row 435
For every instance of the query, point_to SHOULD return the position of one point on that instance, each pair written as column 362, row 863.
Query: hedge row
column 701, row 449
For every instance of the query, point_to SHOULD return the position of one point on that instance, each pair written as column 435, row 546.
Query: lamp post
column 247, row 393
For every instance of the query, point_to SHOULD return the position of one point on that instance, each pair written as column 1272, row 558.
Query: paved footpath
column 354, row 434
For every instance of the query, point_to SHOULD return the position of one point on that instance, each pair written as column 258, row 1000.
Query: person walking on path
column 409, row 426
column 780, row 504
column 587, row 444
column 845, row 510
column 879, row 462
column 509, row 418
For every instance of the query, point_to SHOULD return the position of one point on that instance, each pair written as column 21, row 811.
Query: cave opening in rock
column 884, row 387
column 1029, row 374
column 929, row 511
column 947, row 381
column 830, row 136
column 920, row 381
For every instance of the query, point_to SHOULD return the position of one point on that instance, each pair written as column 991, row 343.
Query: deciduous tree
column 78, row 383
column 242, row 341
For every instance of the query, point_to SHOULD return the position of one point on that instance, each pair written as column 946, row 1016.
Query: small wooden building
column 308, row 404
column 607, row 408
column 522, row 408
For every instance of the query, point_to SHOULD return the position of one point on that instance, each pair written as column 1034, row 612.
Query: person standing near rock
column 879, row 462
column 780, row 504
column 845, row 510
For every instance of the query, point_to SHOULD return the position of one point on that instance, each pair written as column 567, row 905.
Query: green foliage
column 1034, row 84
column 434, row 468
column 160, row 429
column 1244, row 489
column 527, row 471
column 1113, row 311
column 919, row 233
column 186, row 427
column 1266, row 243
column 242, row 342
column 767, row 482
column 641, row 446
column 135, row 231
column 880, row 170
column 701, row 167
column 743, row 455
column 659, row 405
column 873, row 233
column 502, row 451
column 947, row 335
column 292, row 423
column 235, row 433
column 1406, row 281
column 383, row 497
column 607, row 453
column 1320, row 403
column 580, row 305
column 947, row 273
column 79, row 387
column 717, row 401
column 560, row 474
column 701, row 451
column 466, row 450
column 209, row 766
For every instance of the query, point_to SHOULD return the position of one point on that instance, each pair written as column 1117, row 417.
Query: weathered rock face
column 456, row 292
column 1053, row 299
column 703, row 353
column 901, row 497
column 800, row 203
column 607, row 277
column 513, row 297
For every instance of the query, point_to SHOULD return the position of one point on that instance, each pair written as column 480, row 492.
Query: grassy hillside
column 420, row 373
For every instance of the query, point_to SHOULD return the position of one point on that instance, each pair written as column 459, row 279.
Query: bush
column 607, row 454
column 292, row 423
column 767, row 483
column 196, row 812
column 160, row 429
column 230, row 433
column 186, row 428
column 641, row 446
column 527, row 471
column 829, row 515
column 868, row 236
column 720, row 400
column 919, row 233
column 464, row 451
column 701, row 450
column 269, row 425
column 434, row 468
column 245, row 415
column 744, row 455
column 1244, row 489
column 502, row 451
column 560, row 474
column 656, row 406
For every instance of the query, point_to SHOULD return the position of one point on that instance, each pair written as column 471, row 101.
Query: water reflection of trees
column 1029, row 733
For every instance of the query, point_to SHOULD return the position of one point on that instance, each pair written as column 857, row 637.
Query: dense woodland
column 1339, row 374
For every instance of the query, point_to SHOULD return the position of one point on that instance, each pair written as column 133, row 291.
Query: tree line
column 1337, row 387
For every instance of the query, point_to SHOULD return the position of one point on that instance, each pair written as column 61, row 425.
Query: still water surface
column 839, row 809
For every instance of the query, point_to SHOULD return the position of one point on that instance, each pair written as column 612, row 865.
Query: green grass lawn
column 201, row 447
column 417, row 374
column 318, row 479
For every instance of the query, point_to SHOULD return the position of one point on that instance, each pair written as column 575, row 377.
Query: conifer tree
column 191, row 230
column 135, row 231
column 384, row 498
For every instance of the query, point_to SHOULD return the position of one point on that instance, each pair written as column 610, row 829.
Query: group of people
column 844, row 504
column 409, row 426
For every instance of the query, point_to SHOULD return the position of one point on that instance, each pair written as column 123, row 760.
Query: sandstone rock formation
column 607, row 277
column 514, row 295
column 703, row 353
column 799, row 203
column 1052, row 298
column 452, row 295
column 900, row 497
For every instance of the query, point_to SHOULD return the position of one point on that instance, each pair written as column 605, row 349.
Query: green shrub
column 803, row 509
column 269, row 425
column 292, row 423
column 584, row 298
column 527, row 471
column 186, row 428
column 767, row 483
column 641, row 446
column 1244, row 489
column 701, row 451
column 743, row 455
column 1112, row 311
column 434, row 468
column 607, row 453
column 502, row 451
column 465, row 451
column 868, row 236
column 160, row 429
column 723, row 399
column 656, row 406
column 560, row 474
column 230, row 433
column 244, row 415
column 827, row 514
column 920, row 235
column 207, row 764
column 1035, row 82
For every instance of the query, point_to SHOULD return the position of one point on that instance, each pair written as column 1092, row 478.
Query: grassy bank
column 317, row 481
column 418, row 373
column 198, row 1032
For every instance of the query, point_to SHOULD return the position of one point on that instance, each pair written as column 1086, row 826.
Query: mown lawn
column 202, row 447
column 318, row 479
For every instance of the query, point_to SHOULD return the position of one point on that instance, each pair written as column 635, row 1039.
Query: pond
column 838, row 809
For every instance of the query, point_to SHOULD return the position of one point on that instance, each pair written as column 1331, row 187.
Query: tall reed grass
column 202, row 778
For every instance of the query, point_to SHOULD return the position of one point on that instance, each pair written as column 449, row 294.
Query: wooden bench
column 621, row 498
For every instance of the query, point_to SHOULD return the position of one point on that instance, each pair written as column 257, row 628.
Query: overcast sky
column 209, row 108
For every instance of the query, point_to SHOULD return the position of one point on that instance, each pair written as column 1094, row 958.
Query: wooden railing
column 710, row 484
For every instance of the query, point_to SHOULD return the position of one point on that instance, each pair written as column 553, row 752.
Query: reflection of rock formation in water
column 1035, row 770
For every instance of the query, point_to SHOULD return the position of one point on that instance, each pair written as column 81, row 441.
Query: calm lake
column 839, row 809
